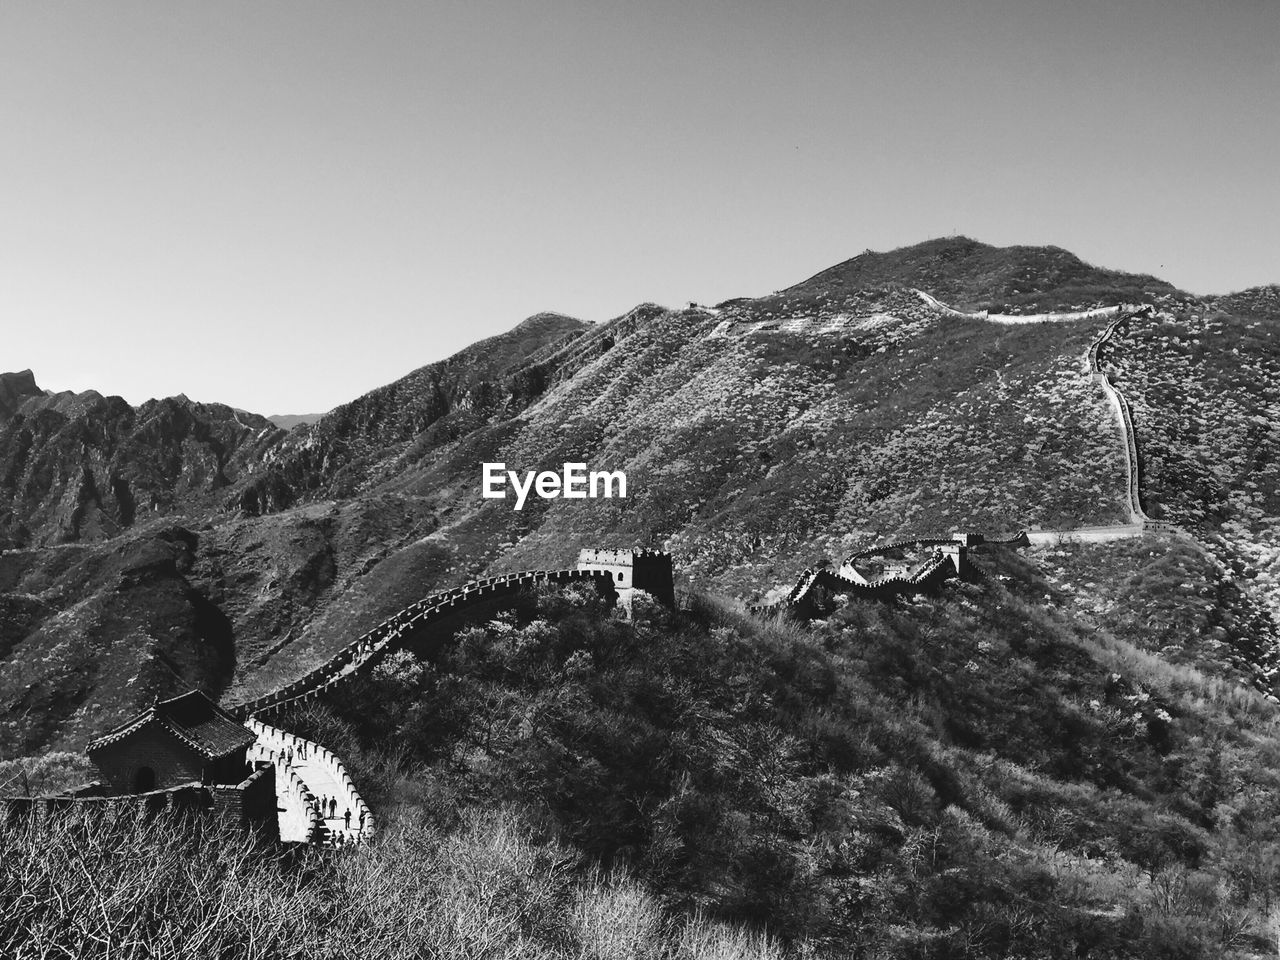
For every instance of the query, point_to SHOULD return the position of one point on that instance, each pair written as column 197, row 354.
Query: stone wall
column 925, row 578
column 251, row 803
column 396, row 631
column 300, row 819
column 1019, row 318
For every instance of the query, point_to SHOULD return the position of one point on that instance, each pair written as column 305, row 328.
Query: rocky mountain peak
column 14, row 389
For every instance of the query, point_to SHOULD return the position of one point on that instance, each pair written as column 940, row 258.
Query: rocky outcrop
column 16, row 389
column 77, row 467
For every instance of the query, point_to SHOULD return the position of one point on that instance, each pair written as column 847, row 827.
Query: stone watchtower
column 632, row 570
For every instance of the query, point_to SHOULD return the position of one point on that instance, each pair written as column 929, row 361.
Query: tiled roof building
column 188, row 739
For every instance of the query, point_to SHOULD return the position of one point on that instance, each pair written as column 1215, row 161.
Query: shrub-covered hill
column 1203, row 378
column 367, row 439
column 752, row 451
column 977, row 774
column 976, row 276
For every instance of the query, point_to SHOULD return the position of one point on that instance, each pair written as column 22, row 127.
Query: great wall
column 315, row 799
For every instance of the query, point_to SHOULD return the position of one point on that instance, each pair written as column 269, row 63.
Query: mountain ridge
column 760, row 438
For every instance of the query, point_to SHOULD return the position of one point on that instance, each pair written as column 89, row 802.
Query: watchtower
column 635, row 569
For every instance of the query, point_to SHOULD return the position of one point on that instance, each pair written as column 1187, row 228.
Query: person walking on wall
column 346, row 818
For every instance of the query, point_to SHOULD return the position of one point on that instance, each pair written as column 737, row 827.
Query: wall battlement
column 250, row 803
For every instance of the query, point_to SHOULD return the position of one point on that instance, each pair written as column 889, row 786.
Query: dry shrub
column 126, row 886
column 703, row 939
column 615, row 919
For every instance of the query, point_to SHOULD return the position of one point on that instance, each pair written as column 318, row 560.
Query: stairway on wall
column 305, row 784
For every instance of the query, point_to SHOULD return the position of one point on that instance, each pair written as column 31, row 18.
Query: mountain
column 81, row 466
column 287, row 421
column 369, row 439
column 759, row 438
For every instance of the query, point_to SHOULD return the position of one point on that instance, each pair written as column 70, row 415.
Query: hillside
column 375, row 435
column 759, row 438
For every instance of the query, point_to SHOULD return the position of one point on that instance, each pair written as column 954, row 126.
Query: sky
column 281, row 205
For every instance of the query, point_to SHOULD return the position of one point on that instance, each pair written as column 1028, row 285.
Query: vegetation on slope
column 1170, row 597
column 488, row 887
column 93, row 634
column 1205, row 391
column 364, row 440
column 976, row 276
column 751, row 454
column 972, row 775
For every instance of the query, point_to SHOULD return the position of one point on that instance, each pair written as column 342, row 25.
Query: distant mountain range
column 176, row 543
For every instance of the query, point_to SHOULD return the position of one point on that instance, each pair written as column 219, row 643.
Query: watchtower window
column 619, row 576
column 144, row 780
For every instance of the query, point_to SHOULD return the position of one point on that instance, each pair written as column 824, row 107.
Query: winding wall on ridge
column 437, row 610
column 926, row 577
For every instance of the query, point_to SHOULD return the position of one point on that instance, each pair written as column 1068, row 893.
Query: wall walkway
column 1021, row 318
column 394, row 632
column 308, row 777
column 316, row 799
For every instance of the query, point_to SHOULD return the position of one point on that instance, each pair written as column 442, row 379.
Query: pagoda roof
column 193, row 719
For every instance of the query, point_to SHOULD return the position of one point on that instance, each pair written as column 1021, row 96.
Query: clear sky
column 281, row 205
